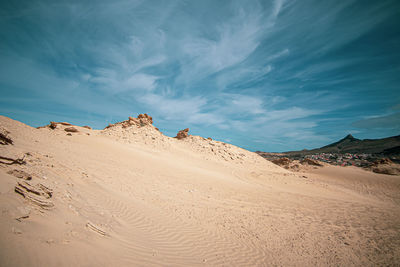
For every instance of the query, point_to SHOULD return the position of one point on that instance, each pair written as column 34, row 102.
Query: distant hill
column 387, row 146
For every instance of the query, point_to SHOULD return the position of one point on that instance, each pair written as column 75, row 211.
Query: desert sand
column 131, row 196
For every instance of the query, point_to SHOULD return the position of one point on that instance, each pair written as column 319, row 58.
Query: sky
column 264, row 75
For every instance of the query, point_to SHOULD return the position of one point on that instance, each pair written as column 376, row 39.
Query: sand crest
column 130, row 196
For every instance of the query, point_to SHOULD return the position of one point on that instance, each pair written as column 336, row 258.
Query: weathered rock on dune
column 296, row 165
column 5, row 139
column 53, row 124
column 385, row 166
column 71, row 130
column 382, row 161
column 64, row 125
column 182, row 134
column 282, row 161
column 140, row 121
column 311, row 162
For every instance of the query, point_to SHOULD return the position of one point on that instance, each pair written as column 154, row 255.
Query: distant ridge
column 387, row 146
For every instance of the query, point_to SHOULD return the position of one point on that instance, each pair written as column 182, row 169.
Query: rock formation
column 140, row 121
column 282, row 161
column 182, row 134
column 311, row 162
column 4, row 138
column 53, row 125
column 385, row 166
column 71, row 130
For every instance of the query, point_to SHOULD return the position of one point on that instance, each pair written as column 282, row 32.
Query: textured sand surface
column 134, row 197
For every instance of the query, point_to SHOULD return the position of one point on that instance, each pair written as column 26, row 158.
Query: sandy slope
column 134, row 197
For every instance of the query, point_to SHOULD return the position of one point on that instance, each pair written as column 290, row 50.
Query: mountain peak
column 349, row 136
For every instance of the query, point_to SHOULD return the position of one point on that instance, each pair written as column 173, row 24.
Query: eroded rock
column 140, row 121
column 53, row 125
column 311, row 162
column 5, row 139
column 282, row 161
column 71, row 130
column 182, row 134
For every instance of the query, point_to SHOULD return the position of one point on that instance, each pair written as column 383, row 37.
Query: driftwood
column 20, row 174
column 38, row 194
column 95, row 229
column 10, row 161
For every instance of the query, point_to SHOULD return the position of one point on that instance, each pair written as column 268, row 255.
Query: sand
column 134, row 197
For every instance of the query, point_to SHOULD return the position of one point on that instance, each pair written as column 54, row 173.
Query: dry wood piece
column 38, row 194
column 20, row 174
column 22, row 217
column 96, row 229
column 29, row 188
column 38, row 189
column 46, row 192
column 10, row 161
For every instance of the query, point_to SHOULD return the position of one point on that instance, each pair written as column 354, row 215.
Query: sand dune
column 130, row 196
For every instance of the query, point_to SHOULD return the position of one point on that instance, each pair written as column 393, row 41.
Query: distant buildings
column 346, row 159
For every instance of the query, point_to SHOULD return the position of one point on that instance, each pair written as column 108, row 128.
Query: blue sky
column 264, row 75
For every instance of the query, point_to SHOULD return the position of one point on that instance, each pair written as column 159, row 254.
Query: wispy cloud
column 267, row 75
column 391, row 121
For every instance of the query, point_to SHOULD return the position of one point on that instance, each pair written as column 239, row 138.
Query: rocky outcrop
column 140, row 121
column 385, row 166
column 71, row 130
column 5, row 139
column 182, row 134
column 53, row 125
column 382, row 161
column 282, row 161
column 312, row 162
